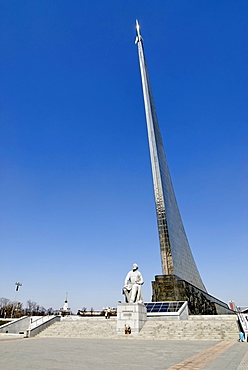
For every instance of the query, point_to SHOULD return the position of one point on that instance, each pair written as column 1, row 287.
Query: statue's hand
column 127, row 287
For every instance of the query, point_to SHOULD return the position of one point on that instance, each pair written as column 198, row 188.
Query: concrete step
column 211, row 328
column 84, row 328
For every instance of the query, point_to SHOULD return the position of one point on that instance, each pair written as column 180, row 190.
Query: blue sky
column 77, row 205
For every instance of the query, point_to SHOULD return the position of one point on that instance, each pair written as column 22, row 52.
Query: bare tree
column 31, row 307
column 50, row 311
column 4, row 303
column 15, row 309
column 5, row 307
column 42, row 310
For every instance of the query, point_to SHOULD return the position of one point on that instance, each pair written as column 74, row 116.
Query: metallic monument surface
column 176, row 255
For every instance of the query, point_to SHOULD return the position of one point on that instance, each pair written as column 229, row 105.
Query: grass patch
column 3, row 322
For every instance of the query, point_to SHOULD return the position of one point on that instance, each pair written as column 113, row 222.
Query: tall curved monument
column 181, row 279
column 175, row 251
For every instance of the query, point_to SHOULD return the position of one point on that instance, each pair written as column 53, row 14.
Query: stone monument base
column 172, row 288
column 133, row 315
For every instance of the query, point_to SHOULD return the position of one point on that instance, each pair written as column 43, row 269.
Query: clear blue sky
column 77, row 206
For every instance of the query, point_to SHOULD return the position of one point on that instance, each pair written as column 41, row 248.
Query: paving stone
column 92, row 354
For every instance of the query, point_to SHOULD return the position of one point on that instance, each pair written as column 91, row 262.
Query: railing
column 243, row 322
column 36, row 326
column 34, row 323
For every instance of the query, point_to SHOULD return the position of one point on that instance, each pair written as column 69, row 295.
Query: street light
column 17, row 288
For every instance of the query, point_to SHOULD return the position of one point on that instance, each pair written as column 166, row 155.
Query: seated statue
column 132, row 286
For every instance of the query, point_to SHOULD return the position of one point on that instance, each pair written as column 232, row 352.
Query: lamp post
column 17, row 288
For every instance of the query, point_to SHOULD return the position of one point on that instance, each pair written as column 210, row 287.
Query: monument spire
column 138, row 37
column 176, row 256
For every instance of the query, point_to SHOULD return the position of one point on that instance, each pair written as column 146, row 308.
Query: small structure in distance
column 65, row 310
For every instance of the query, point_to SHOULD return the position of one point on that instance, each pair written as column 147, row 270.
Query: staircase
column 81, row 327
column 221, row 327
column 243, row 321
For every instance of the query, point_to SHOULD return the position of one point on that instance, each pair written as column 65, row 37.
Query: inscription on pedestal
column 128, row 314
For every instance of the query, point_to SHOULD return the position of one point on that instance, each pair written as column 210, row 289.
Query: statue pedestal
column 133, row 315
column 172, row 288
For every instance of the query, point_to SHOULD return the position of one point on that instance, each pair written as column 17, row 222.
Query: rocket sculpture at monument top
column 176, row 255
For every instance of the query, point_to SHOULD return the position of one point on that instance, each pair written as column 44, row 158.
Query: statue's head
column 135, row 266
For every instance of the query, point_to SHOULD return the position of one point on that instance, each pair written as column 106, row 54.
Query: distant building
column 65, row 310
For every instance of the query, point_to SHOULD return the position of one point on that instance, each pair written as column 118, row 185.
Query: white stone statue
column 132, row 286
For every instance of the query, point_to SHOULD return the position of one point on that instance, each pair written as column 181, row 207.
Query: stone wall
column 171, row 288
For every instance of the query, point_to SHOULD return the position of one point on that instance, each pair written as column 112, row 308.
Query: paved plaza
column 107, row 354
